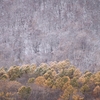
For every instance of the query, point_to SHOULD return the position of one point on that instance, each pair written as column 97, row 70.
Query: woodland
column 54, row 81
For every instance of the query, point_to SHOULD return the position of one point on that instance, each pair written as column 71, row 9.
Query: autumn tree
column 74, row 82
column 31, row 80
column 25, row 69
column 49, row 82
column 96, row 91
column 14, row 72
column 85, row 88
column 41, row 70
column 68, row 92
column 40, row 81
column 97, row 78
column 3, row 74
column 24, row 92
column 61, row 81
column 77, row 97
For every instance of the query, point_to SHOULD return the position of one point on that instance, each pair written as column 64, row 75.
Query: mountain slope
column 35, row 31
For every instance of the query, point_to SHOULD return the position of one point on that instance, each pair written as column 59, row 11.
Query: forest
column 49, row 81
column 62, row 40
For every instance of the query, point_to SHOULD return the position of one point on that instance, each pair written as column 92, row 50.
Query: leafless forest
column 35, row 31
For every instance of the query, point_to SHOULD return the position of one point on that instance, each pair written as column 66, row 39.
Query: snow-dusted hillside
column 35, row 31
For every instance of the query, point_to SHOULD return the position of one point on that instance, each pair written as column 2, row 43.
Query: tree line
column 54, row 81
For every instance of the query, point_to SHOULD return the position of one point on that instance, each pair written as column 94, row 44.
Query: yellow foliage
column 77, row 73
column 59, row 83
column 46, row 75
column 2, row 71
column 63, row 64
column 32, row 68
column 54, row 73
column 85, row 88
column 43, row 65
column 97, row 77
column 54, row 87
column 58, row 75
column 65, row 85
column 31, row 80
column 4, row 76
column 49, row 82
column 24, row 92
column 96, row 90
column 50, row 74
column 68, row 92
column 14, row 72
column 81, row 80
column 40, row 81
column 77, row 97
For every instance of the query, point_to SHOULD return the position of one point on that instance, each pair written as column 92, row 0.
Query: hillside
column 35, row 31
